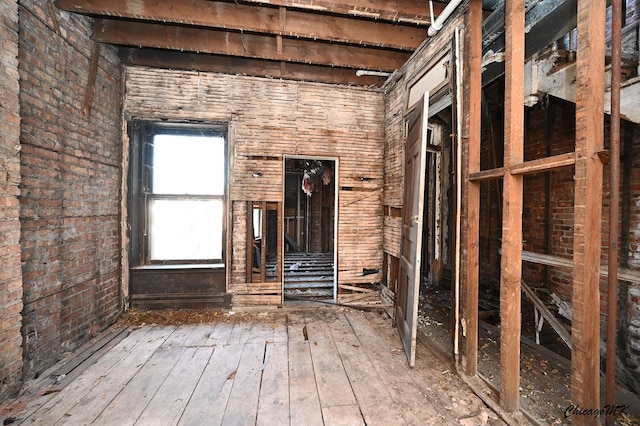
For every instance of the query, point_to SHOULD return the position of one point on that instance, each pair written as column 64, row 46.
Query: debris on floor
column 180, row 316
column 545, row 376
column 479, row 419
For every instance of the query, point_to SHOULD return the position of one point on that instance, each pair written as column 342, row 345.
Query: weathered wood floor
column 307, row 367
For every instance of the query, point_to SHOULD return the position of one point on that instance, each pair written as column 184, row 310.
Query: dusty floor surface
column 325, row 366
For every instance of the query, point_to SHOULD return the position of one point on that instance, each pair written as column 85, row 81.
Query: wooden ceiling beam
column 184, row 38
column 157, row 58
column 260, row 19
column 402, row 11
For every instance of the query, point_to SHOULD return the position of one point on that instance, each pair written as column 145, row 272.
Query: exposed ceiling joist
column 157, row 58
column 407, row 11
column 261, row 19
column 198, row 39
column 313, row 40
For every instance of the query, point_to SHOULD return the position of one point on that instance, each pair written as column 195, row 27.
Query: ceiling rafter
column 157, row 58
column 403, row 11
column 312, row 40
column 197, row 39
column 262, row 19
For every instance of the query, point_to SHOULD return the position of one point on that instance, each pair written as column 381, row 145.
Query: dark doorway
column 309, row 228
column 437, row 290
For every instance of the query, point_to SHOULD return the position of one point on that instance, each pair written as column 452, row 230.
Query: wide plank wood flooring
column 322, row 366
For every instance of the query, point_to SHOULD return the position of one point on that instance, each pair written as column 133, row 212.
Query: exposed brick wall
column 549, row 130
column 630, row 245
column 10, row 271
column 70, row 186
column 491, row 157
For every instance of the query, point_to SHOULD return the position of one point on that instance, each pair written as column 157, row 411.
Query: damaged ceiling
column 355, row 42
column 344, row 42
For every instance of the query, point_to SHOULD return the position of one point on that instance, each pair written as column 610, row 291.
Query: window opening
column 178, row 184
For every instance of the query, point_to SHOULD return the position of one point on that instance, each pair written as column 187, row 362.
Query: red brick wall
column 549, row 130
column 491, row 156
column 630, row 242
column 70, row 186
column 10, row 271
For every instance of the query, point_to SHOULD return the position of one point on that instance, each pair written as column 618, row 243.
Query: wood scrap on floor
column 546, row 314
column 545, row 375
column 353, row 295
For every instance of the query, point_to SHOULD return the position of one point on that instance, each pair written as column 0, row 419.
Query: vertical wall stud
column 472, row 189
column 585, row 333
column 511, row 264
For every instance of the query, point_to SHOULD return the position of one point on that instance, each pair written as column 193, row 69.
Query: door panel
column 406, row 314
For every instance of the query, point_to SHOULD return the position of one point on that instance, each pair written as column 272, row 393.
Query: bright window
column 182, row 195
column 185, row 229
column 188, row 165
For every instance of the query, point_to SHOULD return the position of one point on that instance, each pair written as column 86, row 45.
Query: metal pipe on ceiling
column 360, row 73
column 439, row 22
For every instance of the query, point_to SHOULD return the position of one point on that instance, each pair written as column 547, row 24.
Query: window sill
column 189, row 266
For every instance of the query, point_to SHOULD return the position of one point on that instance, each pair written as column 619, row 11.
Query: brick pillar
column 10, row 267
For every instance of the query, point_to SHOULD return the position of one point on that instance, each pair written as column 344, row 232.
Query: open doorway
column 426, row 292
column 437, row 300
column 310, row 228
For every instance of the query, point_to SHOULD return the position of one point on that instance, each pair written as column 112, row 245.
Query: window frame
column 141, row 195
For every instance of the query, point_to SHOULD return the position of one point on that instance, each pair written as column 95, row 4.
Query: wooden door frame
column 336, row 161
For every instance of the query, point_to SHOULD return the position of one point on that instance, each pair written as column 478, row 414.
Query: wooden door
column 406, row 309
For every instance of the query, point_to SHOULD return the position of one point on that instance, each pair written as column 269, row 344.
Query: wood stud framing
column 511, row 264
column 585, row 359
column 588, row 207
column 543, row 164
column 473, row 70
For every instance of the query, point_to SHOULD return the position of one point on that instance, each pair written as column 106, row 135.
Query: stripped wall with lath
column 268, row 120
column 396, row 99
